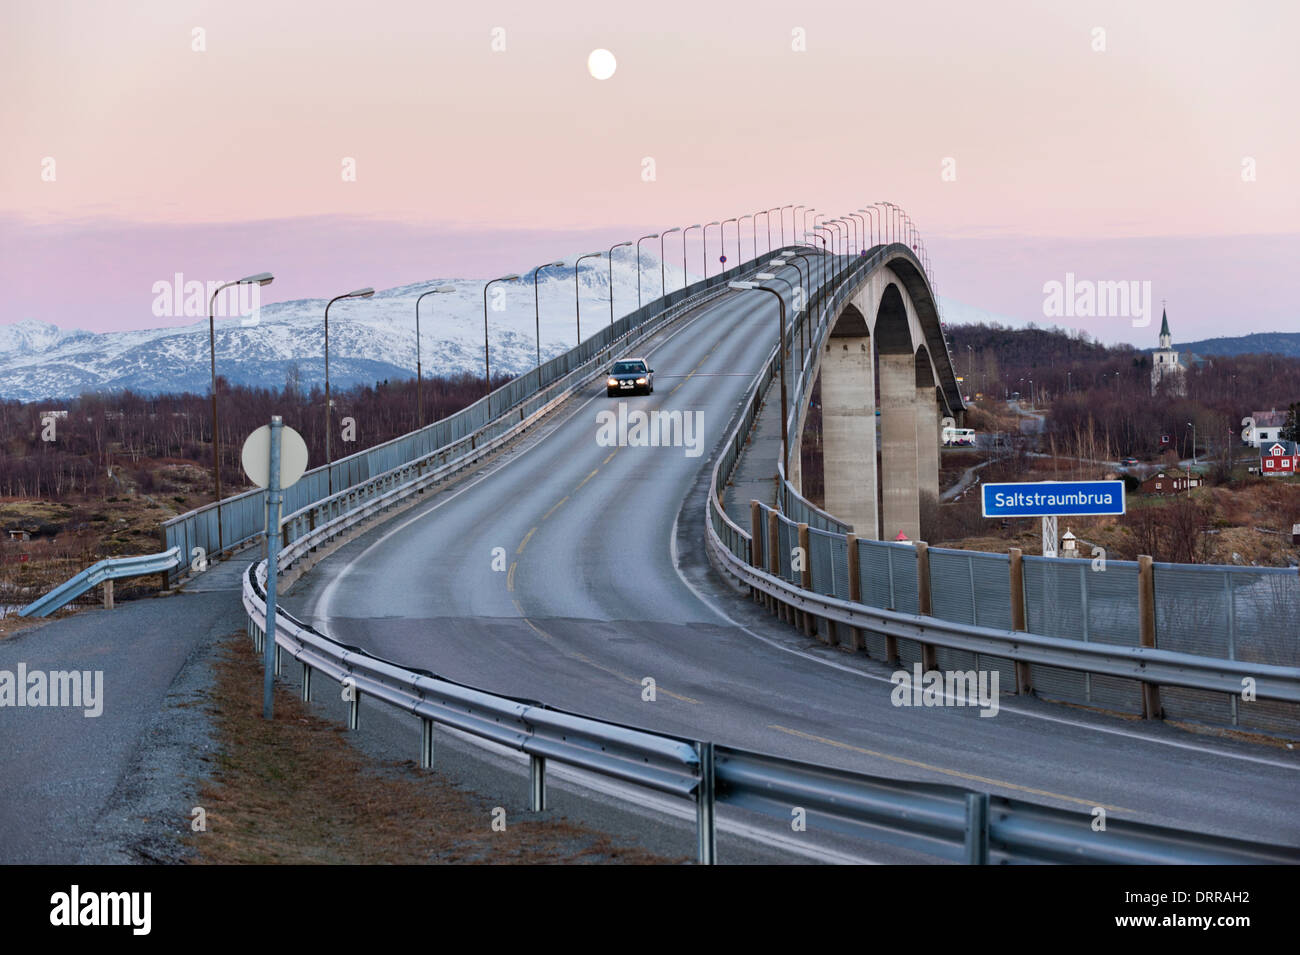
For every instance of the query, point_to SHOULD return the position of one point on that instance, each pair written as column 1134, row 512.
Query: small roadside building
column 1171, row 483
column 1279, row 457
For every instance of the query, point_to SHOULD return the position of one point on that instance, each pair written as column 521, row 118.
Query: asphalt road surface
column 568, row 571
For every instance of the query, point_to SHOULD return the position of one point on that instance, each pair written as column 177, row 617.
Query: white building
column 1165, row 363
column 1268, row 428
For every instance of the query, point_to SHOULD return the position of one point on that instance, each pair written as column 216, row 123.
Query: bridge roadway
column 605, row 583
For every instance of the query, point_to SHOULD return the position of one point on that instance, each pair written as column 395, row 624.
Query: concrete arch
column 885, row 349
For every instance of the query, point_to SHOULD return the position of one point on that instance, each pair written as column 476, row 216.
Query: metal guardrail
column 112, row 568
column 1213, row 637
column 944, row 821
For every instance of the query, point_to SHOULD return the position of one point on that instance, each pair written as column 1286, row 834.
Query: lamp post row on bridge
column 892, row 221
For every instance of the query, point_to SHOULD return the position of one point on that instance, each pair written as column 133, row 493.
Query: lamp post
column 767, row 219
column 803, row 283
column 781, row 218
column 822, row 270
column 537, row 310
column 1193, row 427
column 419, row 371
column 620, row 245
column 663, row 282
column 329, row 404
column 773, row 277
column 794, row 224
column 487, row 362
column 652, row 235
column 753, row 234
column 706, row 244
column 722, row 235
column 780, row 356
column 577, row 295
column 684, row 231
column 859, row 231
column 261, row 278
column 871, row 213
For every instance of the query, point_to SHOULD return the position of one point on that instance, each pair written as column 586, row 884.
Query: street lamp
column 781, row 217
column 722, row 235
column 684, row 231
column 780, row 356
column 872, row 214
column 706, row 244
column 663, row 283
column 652, row 235
column 537, row 310
column 577, row 297
column 419, row 371
column 753, row 234
column 261, row 278
column 794, row 224
column 611, row 278
column 487, row 363
column 1193, row 427
column 803, row 283
column 329, row 405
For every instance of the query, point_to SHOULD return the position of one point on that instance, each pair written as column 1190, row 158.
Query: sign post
column 274, row 457
column 1052, row 499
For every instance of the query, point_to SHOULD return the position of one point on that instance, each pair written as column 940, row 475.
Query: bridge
column 510, row 549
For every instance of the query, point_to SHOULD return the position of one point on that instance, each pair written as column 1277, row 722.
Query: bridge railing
column 1218, row 626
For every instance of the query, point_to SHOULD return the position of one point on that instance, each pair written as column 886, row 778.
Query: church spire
column 1166, row 339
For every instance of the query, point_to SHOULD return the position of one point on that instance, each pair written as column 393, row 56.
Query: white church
column 1165, row 362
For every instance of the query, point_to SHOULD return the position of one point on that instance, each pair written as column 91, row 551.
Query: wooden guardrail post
column 923, row 604
column 108, row 594
column 855, row 585
column 162, row 576
column 1018, row 618
column 809, row 622
column 774, row 559
column 756, row 542
column 1147, row 632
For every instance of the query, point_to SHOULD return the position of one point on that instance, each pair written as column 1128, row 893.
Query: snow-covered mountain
column 370, row 339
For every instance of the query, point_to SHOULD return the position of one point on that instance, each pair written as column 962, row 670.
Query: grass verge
column 295, row 791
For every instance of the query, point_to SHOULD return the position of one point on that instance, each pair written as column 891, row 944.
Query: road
column 570, row 572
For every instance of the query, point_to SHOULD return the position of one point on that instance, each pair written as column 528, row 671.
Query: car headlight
column 612, row 382
column 640, row 381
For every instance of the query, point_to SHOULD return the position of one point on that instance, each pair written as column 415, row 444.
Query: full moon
column 601, row 64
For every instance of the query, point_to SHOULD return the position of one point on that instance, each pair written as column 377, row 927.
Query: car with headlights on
column 629, row 376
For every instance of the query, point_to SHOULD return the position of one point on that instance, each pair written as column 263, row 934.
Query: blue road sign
column 1048, row 498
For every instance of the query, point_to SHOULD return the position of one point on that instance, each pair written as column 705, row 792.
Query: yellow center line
column 586, row 479
column 556, row 507
column 947, row 772
column 510, row 575
column 599, row 666
column 524, row 543
column 607, row 459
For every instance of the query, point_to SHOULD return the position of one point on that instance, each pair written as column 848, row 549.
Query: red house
column 1279, row 457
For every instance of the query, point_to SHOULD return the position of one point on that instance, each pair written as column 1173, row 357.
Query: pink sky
column 1120, row 164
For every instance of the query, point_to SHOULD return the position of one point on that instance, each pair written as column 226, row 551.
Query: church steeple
column 1166, row 340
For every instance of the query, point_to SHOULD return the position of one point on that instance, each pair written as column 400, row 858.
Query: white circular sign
column 601, row 64
column 256, row 456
